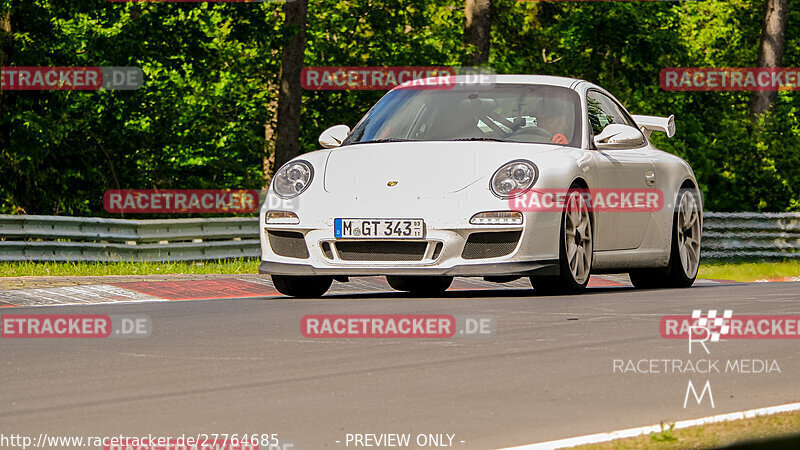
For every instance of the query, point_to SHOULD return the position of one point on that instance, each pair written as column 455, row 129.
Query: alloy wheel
column 689, row 234
column 578, row 237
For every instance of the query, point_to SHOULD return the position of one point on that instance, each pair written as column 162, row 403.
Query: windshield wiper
column 480, row 139
column 373, row 141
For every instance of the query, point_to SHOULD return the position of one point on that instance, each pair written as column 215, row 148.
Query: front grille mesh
column 381, row 250
column 490, row 244
column 288, row 243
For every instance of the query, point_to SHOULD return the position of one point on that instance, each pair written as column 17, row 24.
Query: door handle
column 650, row 178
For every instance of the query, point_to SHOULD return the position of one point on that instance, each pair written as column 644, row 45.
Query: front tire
column 576, row 247
column 684, row 257
column 420, row 285
column 302, row 286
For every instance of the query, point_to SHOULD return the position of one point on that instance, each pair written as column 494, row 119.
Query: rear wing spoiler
column 649, row 124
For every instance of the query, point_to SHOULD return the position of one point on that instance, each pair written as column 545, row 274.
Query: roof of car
column 530, row 79
column 508, row 79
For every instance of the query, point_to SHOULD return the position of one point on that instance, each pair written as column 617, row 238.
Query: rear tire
column 575, row 249
column 302, row 286
column 420, row 285
column 684, row 256
column 648, row 278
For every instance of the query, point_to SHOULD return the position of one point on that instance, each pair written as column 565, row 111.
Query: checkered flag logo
column 714, row 324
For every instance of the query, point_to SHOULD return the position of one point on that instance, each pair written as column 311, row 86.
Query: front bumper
column 544, row 267
column 451, row 246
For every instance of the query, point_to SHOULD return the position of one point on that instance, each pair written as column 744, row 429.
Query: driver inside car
column 556, row 124
column 558, row 119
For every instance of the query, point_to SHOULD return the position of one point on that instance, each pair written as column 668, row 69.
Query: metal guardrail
column 751, row 235
column 58, row 238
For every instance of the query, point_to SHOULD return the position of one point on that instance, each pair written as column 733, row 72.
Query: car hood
column 416, row 168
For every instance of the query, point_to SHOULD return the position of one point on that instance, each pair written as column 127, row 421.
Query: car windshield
column 510, row 113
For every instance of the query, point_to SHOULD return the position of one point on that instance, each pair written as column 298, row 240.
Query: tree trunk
column 6, row 48
column 770, row 51
column 5, row 37
column 268, row 152
column 477, row 31
column 287, row 140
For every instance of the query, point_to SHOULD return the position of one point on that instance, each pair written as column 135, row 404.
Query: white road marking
column 74, row 295
column 633, row 432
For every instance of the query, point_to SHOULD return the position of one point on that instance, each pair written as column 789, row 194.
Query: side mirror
column 333, row 136
column 618, row 136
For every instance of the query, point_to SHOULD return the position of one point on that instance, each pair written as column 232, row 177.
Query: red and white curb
column 250, row 286
column 138, row 291
column 72, row 295
column 650, row 429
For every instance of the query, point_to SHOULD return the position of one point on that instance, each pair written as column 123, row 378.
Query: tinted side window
column 603, row 111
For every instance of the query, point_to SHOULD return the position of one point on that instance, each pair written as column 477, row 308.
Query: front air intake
column 381, row 250
column 288, row 243
column 490, row 244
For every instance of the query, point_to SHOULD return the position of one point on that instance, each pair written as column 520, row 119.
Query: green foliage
column 198, row 121
column 667, row 434
column 211, row 74
column 68, row 269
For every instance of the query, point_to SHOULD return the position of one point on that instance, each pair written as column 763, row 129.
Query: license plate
column 379, row 228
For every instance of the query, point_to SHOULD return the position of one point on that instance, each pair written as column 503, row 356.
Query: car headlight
column 292, row 179
column 512, row 179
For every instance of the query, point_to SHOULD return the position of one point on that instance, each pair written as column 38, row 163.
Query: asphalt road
column 243, row 366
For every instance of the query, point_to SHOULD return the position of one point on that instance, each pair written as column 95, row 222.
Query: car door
column 619, row 170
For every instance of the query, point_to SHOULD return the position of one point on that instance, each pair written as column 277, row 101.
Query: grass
column 737, row 271
column 749, row 271
column 711, row 435
column 27, row 268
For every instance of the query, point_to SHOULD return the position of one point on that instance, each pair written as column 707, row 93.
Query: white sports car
column 527, row 176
